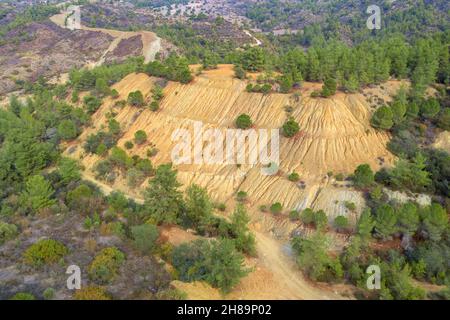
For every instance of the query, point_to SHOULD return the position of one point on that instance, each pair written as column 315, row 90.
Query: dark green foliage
column 100, row 142
column 140, row 137
column 114, row 127
column 174, row 68
column 294, row 177
column 83, row 79
column 120, row 158
column 145, row 237
column 385, row 221
column 329, row 87
column 199, row 207
column 363, row 176
column 286, row 83
column 69, row 170
column 429, row 108
column 241, row 196
column 434, row 221
column 365, row 225
column 239, row 72
column 128, row 145
column 7, row 232
column 438, row 165
column 136, row 99
column 276, row 208
column 314, row 259
column 23, row 296
column 216, row 262
column 444, row 119
column 408, row 218
column 91, row 104
column 253, row 59
column 294, row 215
column 244, row 121
column 434, row 256
column 163, row 201
column 244, row 240
column 307, row 216
column 290, row 128
column 383, row 118
column 67, row 130
column 38, row 193
column 341, row 223
column 410, row 175
column 318, row 219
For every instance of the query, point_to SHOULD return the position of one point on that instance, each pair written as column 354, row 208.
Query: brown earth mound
column 335, row 134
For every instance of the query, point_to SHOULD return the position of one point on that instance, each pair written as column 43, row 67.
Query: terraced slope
column 335, row 134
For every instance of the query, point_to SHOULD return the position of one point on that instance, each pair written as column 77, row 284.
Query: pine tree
column 408, row 219
column 385, row 221
column 38, row 193
column 163, row 200
column 383, row 118
column 365, row 225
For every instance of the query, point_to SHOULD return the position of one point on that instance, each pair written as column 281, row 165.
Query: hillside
column 335, row 134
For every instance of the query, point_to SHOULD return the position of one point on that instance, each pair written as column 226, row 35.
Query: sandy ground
column 335, row 136
column 443, row 141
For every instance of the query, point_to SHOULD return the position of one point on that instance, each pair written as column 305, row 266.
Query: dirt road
column 151, row 43
column 292, row 283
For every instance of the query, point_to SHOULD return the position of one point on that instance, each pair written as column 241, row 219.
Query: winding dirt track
column 151, row 43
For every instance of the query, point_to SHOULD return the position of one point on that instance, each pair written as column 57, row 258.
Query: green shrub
column 363, row 176
column 294, row 177
column 294, row 215
column 67, row 130
column 154, row 106
column 105, row 266
column 114, row 94
column 140, row 137
column 92, row 104
column 444, row 119
column 430, row 108
column 23, row 296
column 120, row 158
column 217, row 262
column 244, row 121
column 290, row 128
column 145, row 237
column 241, row 196
column 383, row 118
column 350, row 205
column 91, row 293
column 128, row 145
column 220, row 206
column 44, row 252
column 239, row 72
column 320, row 220
column 276, row 208
column 329, row 87
column 135, row 99
column 7, row 232
column 307, row 216
column 341, row 223
column 49, row 293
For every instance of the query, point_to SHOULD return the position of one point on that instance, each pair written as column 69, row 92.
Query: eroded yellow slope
column 335, row 133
